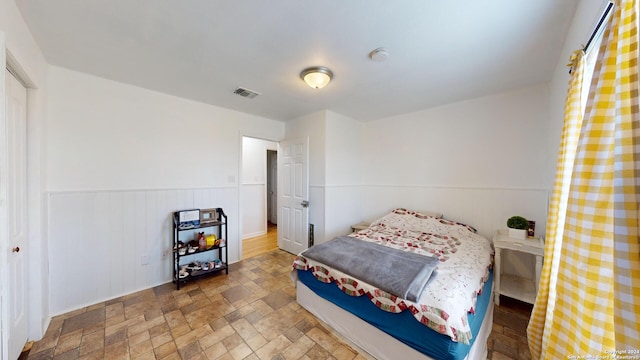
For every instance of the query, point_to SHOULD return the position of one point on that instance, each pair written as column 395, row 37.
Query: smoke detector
column 250, row 94
column 379, row 54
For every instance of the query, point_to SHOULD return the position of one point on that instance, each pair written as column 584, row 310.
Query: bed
column 450, row 317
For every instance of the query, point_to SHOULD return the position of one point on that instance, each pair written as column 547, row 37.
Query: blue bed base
column 403, row 326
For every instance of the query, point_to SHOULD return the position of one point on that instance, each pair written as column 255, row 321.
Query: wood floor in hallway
column 262, row 244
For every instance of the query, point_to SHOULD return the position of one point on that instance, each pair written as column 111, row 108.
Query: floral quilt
column 465, row 260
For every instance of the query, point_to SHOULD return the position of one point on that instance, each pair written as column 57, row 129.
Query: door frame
column 4, row 241
column 243, row 134
column 270, row 186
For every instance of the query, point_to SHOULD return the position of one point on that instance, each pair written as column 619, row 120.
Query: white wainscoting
column 316, row 212
column 254, row 209
column 98, row 240
column 344, row 208
column 486, row 209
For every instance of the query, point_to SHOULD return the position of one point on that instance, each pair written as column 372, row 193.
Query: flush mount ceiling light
column 317, row 76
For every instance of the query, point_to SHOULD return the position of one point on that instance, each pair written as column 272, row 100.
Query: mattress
column 402, row 326
column 465, row 260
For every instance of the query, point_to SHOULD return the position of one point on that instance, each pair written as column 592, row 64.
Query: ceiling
column 439, row 52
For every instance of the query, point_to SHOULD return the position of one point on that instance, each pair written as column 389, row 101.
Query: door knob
column 16, row 249
column 304, row 203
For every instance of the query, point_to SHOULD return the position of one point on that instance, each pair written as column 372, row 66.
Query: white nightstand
column 514, row 286
column 360, row 226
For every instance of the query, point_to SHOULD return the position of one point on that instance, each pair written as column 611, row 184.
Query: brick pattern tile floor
column 251, row 313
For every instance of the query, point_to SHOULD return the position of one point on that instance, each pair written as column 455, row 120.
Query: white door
column 293, row 195
column 13, row 175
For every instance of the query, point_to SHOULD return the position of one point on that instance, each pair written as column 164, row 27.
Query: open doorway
column 272, row 189
column 259, row 196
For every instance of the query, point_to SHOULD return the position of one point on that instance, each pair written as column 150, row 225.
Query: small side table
column 360, row 226
column 515, row 286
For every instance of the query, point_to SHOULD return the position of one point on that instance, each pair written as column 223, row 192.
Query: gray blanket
column 398, row 272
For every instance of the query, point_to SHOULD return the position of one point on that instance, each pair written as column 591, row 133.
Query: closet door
column 14, row 177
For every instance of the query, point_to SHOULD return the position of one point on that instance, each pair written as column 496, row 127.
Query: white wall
column 133, row 138
column 20, row 42
column 116, row 144
column 343, row 154
column 343, row 189
column 254, row 185
column 314, row 126
column 477, row 161
column 494, row 141
column 29, row 58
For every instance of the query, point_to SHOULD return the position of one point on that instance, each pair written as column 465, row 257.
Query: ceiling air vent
column 246, row 93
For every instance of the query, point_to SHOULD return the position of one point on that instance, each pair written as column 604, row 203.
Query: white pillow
column 407, row 219
column 436, row 215
column 419, row 221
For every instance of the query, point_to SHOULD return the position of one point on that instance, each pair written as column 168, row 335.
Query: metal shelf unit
column 217, row 227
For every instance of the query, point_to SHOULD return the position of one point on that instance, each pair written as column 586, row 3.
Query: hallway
column 262, row 244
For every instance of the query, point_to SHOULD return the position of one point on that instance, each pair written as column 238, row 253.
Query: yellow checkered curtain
column 558, row 205
column 588, row 302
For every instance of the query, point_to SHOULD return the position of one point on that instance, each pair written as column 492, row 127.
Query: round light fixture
column 316, row 77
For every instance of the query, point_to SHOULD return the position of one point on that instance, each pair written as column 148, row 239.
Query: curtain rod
column 604, row 16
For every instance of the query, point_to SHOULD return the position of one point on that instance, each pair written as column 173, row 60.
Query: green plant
column 518, row 222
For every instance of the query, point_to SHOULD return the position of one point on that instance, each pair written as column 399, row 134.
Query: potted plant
column 518, row 227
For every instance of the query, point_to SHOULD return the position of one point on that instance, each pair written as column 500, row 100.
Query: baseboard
column 258, row 233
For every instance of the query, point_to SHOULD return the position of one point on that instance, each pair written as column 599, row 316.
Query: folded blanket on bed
column 398, row 272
